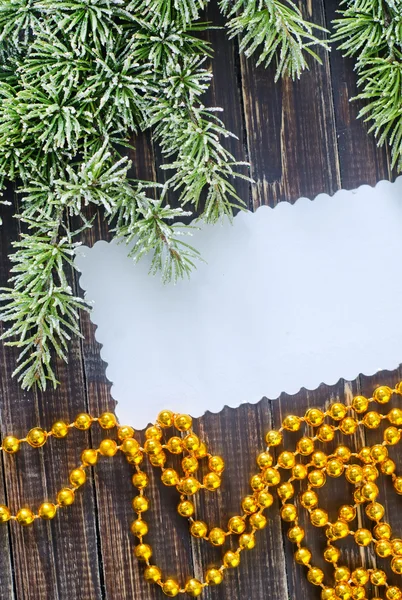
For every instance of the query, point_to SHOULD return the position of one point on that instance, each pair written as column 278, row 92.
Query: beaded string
column 360, row 469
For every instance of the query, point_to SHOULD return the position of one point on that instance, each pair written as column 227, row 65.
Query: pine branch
column 163, row 12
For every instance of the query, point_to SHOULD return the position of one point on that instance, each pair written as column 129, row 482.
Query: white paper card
column 288, row 298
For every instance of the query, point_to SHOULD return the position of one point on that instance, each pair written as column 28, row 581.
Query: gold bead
column 191, row 442
column 65, row 497
column 303, row 556
column 379, row 452
column 370, row 473
column 319, row 517
column 247, row 541
column 309, row 499
column 396, row 545
column 183, row 422
column 136, row 459
column 285, row 491
column 188, row 485
column 36, row 437
column 354, row 474
column 124, row 432
column 378, row 577
column 211, row 481
column 5, row 514
column 326, row 432
column 317, row 478
column 286, row 460
column 363, row 537
column 199, row 529
column 83, row 421
column 360, row 576
column 383, row 548
column 343, row 453
column 319, row 459
column 340, row 529
column 393, row 593
column 185, row 508
column 365, row 455
column 341, row 574
column 398, row 485
column 396, row 565
column 335, row 467
column 382, row 530
column 130, row 447
column 314, row 417
column 139, row 528
column 272, row 476
column 236, row 525
column 328, row 593
column 343, row 591
column 11, row 444
column 369, row 491
column 231, row 559
column 170, row 477
column 292, row 423
column 165, row 418
column 47, row 510
column 175, row 445
column 214, row 577
column 265, row 499
column 108, row 448
column 153, row 433
column 288, row 512
column 360, row 404
column 332, row 554
column 299, row 471
column 140, row 504
column 216, row 464
column 59, row 429
column 395, row 416
column 193, row 588
column 25, row 517
column 153, row 447
column 382, row 394
column 258, row 521
column 347, row 512
column 348, row 425
column 217, row 536
column 392, row 435
column 153, row 574
column 189, row 464
column 296, row 534
column 89, row 457
column 372, row 419
column 158, row 460
column 143, row 551
column 375, row 511
column 170, row 588
column 264, row 460
column 107, row 420
column 305, row 446
column 315, row 576
column 337, row 411
column 202, row 451
column 273, row 438
column 140, row 480
column 257, row 483
column 249, row 505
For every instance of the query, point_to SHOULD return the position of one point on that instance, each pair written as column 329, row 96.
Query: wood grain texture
column 301, row 138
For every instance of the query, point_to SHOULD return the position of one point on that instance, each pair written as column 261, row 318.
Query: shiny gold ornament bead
column 319, row 517
column 383, row 548
column 382, row 394
column 348, row 425
column 193, row 588
column 286, row 460
column 396, row 545
column 354, row 474
column 11, row 444
column 360, row 576
column 343, row 453
column 188, row 485
column 369, row 491
column 292, row 423
column 258, row 521
column 249, row 505
column 211, row 481
column 372, row 419
column 183, row 422
column 382, row 531
column 326, row 433
column 158, row 460
column 396, row 565
column 130, row 447
column 202, row 451
column 108, row 448
column 5, row 514
column 309, row 499
column 347, row 512
column 332, row 554
column 357, row 496
column 143, row 551
column 247, row 541
column 296, row 534
column 398, row 485
column 140, row 480
column 319, row 459
column 165, row 418
column 140, row 504
column 392, row 436
column 393, row 593
column 335, row 467
column 191, row 442
column 378, row 577
column 303, row 556
column 124, row 432
column 185, row 508
column 343, row 591
column 264, row 460
column 273, row 438
column 189, row 464
column 379, row 452
column 370, row 473
column 285, row 491
column 139, row 528
column 363, row 537
column 236, row 525
column 25, row 517
column 170, row 588
column 153, row 433
column 47, row 511
column 217, row 536
column 314, row 417
column 136, row 459
column 272, row 476
column 337, row 411
column 388, row 467
column 365, row 455
column 153, row 574
column 198, row 529
column 305, row 446
column 288, row 512
column 153, row 447
column 315, row 576
column 216, row 464
column 231, row 559
column 170, row 477
column 83, row 421
column 175, row 445
column 89, row 457
column 107, row 420
column 257, row 483
column 340, row 529
column 213, row 576
column 375, row 511
column 59, row 429
column 341, row 574
column 299, row 471
column 360, row 404
column 265, row 499
column 328, row 593
column 317, row 478
column 65, row 497
column 395, row 416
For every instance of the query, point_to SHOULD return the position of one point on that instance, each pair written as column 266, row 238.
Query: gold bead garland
column 360, row 469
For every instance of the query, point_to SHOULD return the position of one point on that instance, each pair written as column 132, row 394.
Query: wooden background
column 301, row 138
